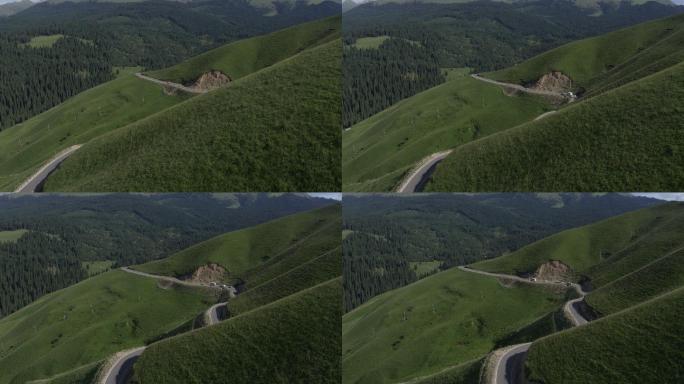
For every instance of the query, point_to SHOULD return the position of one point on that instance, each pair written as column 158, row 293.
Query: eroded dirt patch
column 208, row 273
column 554, row 82
column 554, row 270
column 211, row 80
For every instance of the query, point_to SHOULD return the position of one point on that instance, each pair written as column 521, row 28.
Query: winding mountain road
column 509, row 366
column 415, row 180
column 171, row 84
column 35, row 182
column 518, row 87
column 121, row 369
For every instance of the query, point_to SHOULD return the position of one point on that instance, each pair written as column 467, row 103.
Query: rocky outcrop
column 554, row 270
column 554, row 82
column 211, row 80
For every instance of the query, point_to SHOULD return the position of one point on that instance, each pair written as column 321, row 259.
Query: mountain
column 631, row 94
column 618, row 348
column 272, row 148
column 43, row 246
column 391, row 241
column 458, row 326
column 445, row 320
column 76, row 334
column 633, row 262
column 90, row 40
column 10, row 9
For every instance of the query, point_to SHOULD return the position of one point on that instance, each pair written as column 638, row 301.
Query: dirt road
column 518, row 87
column 171, row 84
column 415, row 180
column 35, row 182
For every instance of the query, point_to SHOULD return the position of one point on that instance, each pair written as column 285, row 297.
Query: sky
column 333, row 196
column 663, row 196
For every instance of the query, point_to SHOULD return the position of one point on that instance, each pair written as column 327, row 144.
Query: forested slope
column 97, row 37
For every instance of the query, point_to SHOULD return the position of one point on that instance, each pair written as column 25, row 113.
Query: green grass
column 438, row 322
column 378, row 151
column 295, row 339
column 26, row 147
column 466, row 373
column 654, row 279
column 373, row 42
column 251, row 55
column 626, row 139
column 275, row 130
column 87, row 322
column 424, row 268
column 12, row 236
column 641, row 344
column 596, row 62
column 97, row 267
column 243, row 250
column 317, row 270
column 598, row 250
column 44, row 41
column 81, row 375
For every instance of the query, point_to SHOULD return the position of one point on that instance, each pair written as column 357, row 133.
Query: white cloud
column 663, row 196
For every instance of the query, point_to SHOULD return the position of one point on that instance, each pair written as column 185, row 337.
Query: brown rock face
column 211, row 80
column 554, row 81
column 554, row 270
column 208, row 273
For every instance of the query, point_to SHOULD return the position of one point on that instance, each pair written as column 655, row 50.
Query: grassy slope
column 590, row 60
column 89, row 321
column 44, row 41
column 248, row 56
column 318, row 269
column 12, row 236
column 641, row 344
column 25, row 147
column 626, row 139
column 275, row 130
column 599, row 249
column 378, row 151
column 441, row 321
column 663, row 275
column 466, row 373
column 258, row 346
column 242, row 250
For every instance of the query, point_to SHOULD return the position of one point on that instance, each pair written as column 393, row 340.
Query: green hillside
column 24, row 148
column 295, row 339
column 275, row 130
column 248, row 56
column 637, row 345
column 660, row 276
column 606, row 61
column 603, row 251
column 378, row 151
column 241, row 251
column 626, row 139
column 85, row 323
column 435, row 324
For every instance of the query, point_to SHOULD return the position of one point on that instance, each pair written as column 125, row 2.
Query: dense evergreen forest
column 63, row 233
column 480, row 35
column 101, row 36
column 386, row 234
